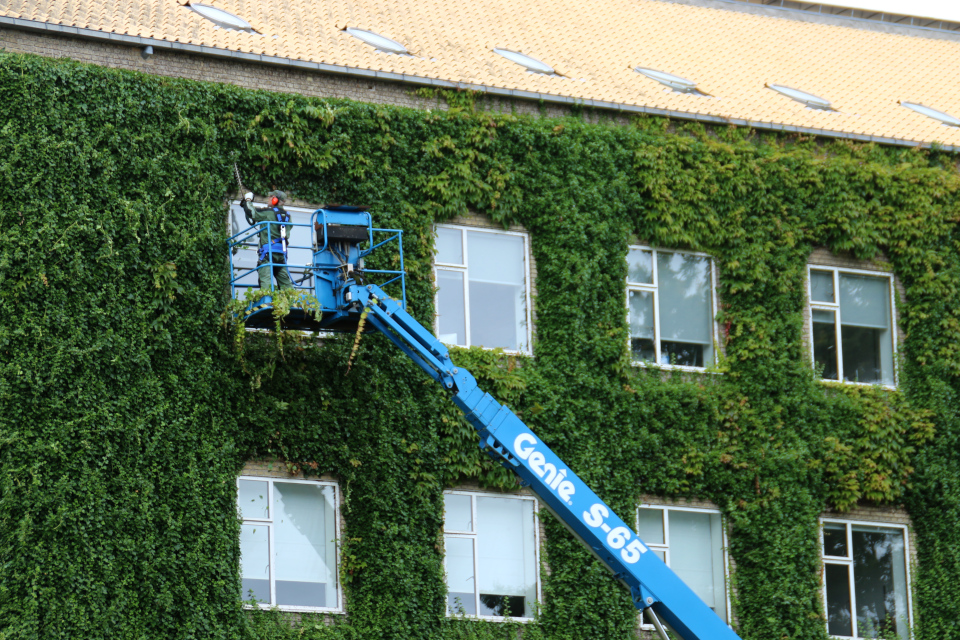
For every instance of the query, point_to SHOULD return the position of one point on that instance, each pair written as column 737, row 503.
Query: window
column 670, row 306
column 532, row 64
column 812, row 101
column 221, row 18
column 681, row 85
column 491, row 560
column 377, row 41
column 865, row 580
column 691, row 542
column 852, row 334
column 288, row 543
column 482, row 293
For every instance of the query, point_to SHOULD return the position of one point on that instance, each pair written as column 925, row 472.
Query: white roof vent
column 668, row 79
column 221, row 18
column 945, row 118
column 812, row 101
column 532, row 64
column 378, row 42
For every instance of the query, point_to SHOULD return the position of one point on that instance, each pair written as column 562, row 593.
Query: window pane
column 880, row 582
column 640, row 266
column 686, row 313
column 825, row 343
column 642, row 346
column 650, row 527
column 839, row 621
column 506, row 544
column 449, row 245
column 300, row 244
column 457, row 512
column 864, row 301
column 255, row 561
column 305, row 538
column 835, row 539
column 867, row 354
column 460, row 579
column 696, row 555
column 865, row 329
column 451, row 314
column 245, row 258
column 498, row 308
column 252, row 499
column 821, row 286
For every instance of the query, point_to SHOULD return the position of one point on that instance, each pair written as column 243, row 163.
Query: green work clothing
column 269, row 236
column 279, row 272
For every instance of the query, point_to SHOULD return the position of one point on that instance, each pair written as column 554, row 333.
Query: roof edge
column 116, row 38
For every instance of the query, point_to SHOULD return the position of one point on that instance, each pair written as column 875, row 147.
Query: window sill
column 508, row 352
column 674, row 367
column 490, row 618
column 888, row 387
column 292, row 609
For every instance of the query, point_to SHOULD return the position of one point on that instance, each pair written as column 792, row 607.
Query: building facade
column 730, row 308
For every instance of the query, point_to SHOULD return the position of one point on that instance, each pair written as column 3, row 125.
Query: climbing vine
column 129, row 402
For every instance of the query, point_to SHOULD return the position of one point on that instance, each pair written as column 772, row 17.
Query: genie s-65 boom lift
column 342, row 238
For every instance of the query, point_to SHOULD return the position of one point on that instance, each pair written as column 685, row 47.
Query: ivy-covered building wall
column 129, row 406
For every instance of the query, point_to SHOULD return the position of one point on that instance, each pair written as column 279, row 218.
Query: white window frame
column 848, row 562
column 473, row 535
column 268, row 522
column 665, row 548
column 464, row 269
column 654, row 289
column 835, row 308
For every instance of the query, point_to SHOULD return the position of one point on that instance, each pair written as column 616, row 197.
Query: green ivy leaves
column 128, row 406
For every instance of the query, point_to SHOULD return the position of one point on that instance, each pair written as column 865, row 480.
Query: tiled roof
column 594, row 46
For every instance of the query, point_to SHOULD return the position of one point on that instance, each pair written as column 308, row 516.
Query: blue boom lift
column 342, row 238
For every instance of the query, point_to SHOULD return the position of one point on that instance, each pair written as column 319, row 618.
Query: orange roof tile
column 594, row 46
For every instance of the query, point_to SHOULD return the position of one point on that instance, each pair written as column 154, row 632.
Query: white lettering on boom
column 553, row 478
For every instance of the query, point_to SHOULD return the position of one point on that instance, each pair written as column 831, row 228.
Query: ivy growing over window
column 127, row 410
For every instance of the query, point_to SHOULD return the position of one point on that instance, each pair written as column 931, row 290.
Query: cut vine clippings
column 360, row 326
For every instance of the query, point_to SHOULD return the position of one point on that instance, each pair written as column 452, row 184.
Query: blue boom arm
column 653, row 586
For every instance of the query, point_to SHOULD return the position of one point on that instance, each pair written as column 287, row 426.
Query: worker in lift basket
column 273, row 238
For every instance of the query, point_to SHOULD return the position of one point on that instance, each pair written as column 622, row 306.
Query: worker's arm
column 248, row 211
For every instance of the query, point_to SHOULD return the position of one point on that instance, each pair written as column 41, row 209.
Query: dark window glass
column 825, row 343
column 642, row 350
column 835, row 540
column 874, row 553
column 861, row 354
column 690, row 355
column 839, row 621
column 495, row 605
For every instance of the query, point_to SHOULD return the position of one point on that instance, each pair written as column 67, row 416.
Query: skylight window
column 945, row 118
column 221, row 18
column 812, row 101
column 532, row 64
column 669, row 80
column 378, row 42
